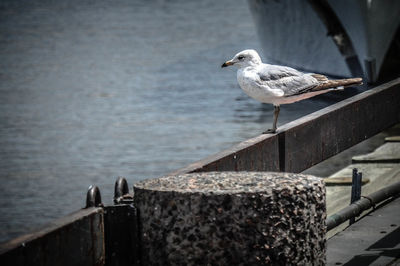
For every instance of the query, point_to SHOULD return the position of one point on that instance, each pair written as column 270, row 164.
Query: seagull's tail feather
column 338, row 83
column 319, row 77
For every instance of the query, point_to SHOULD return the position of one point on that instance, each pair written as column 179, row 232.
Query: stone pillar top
column 229, row 182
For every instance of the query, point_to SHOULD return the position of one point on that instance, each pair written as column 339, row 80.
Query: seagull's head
column 244, row 58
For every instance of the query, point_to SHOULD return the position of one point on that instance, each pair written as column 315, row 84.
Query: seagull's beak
column 227, row 63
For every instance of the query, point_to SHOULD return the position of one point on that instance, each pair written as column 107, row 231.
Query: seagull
column 278, row 85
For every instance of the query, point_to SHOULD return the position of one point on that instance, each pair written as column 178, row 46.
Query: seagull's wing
column 299, row 85
column 285, row 79
column 272, row 72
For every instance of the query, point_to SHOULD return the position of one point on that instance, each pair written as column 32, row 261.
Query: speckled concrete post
column 232, row 218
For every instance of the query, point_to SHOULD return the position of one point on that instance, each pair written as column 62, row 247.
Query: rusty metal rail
column 96, row 235
column 77, row 239
column 108, row 235
column 311, row 139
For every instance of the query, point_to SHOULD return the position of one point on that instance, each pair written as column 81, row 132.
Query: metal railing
column 311, row 139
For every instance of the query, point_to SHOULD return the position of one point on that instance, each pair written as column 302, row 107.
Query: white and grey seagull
column 280, row 84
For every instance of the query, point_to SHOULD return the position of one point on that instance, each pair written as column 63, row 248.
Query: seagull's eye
column 240, row 57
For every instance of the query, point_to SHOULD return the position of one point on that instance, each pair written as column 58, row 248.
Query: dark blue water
column 92, row 90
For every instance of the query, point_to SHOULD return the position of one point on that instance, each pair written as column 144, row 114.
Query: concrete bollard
column 237, row 218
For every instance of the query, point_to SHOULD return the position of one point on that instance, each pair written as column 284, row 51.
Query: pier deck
column 373, row 240
column 379, row 168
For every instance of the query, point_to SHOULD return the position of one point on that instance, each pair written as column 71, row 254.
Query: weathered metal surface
column 320, row 135
column 121, row 235
column 373, row 240
column 232, row 218
column 76, row 239
column 313, row 138
column 257, row 154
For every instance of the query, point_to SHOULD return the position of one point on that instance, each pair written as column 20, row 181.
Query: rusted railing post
column 355, row 190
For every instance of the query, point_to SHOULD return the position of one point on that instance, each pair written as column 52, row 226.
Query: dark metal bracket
column 93, row 197
column 355, row 190
column 121, row 192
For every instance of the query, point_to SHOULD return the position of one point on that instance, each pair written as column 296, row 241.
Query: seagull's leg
column 277, row 108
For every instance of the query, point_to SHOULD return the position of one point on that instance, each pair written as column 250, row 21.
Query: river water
column 92, row 90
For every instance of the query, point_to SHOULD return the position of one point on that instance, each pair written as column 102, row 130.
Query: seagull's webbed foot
column 270, row 131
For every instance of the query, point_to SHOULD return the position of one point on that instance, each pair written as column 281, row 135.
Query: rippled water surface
column 92, row 90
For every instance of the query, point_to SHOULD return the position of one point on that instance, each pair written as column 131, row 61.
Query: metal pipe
column 361, row 205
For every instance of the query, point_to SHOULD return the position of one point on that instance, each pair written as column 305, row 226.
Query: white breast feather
column 263, row 93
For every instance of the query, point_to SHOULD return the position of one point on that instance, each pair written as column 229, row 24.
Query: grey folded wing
column 272, row 72
column 289, row 80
